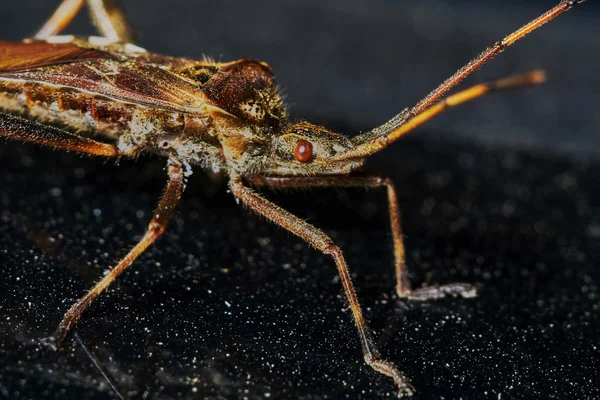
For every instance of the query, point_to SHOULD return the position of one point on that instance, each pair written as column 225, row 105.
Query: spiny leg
column 17, row 128
column 322, row 242
column 165, row 209
column 403, row 287
column 107, row 15
column 376, row 140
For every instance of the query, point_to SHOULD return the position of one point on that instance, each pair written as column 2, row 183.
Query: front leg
column 322, row 242
column 403, row 287
column 156, row 227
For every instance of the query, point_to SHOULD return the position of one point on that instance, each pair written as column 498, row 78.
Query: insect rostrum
column 108, row 97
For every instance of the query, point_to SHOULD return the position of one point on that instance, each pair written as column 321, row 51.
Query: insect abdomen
column 85, row 112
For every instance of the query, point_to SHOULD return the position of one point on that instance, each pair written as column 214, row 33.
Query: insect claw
column 437, row 292
column 406, row 390
column 50, row 343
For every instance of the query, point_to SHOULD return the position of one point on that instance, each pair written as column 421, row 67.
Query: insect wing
column 18, row 56
column 101, row 72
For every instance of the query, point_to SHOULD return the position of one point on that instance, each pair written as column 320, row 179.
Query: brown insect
column 107, row 97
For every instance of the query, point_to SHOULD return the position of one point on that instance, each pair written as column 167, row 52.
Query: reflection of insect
column 224, row 116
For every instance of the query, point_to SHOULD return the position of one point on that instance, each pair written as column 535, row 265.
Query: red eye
column 303, row 151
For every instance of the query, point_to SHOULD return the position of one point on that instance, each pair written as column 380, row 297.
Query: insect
column 108, row 97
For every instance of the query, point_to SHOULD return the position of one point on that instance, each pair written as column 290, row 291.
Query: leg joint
column 388, row 182
column 331, row 248
column 156, row 228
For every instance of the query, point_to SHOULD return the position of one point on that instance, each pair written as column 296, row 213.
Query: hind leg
column 107, row 15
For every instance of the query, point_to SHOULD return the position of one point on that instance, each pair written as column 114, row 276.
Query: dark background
column 501, row 193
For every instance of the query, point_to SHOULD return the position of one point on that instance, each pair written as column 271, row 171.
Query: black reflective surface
column 227, row 305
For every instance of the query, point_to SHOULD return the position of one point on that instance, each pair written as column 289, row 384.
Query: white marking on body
column 124, row 146
column 139, row 125
column 140, row 130
column 78, row 119
column 187, row 170
column 338, row 148
column 253, row 109
column 40, row 110
column 54, row 110
column 11, row 102
column 89, row 120
column 22, row 99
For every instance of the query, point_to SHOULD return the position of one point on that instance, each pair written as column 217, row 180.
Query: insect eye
column 303, row 151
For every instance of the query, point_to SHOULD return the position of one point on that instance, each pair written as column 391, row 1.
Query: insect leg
column 107, row 15
column 403, row 287
column 110, row 20
column 61, row 18
column 322, row 242
column 17, row 128
column 376, row 140
column 165, row 209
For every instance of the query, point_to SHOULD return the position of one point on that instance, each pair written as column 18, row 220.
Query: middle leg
column 403, row 286
column 156, row 227
column 322, row 242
